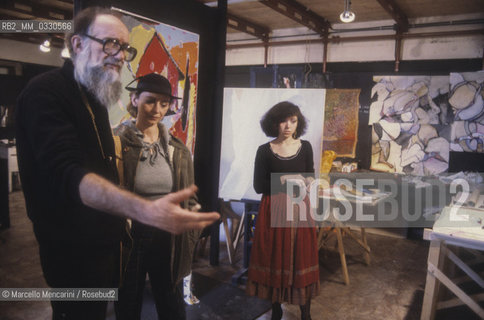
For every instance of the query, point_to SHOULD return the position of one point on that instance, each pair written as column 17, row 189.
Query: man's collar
column 68, row 65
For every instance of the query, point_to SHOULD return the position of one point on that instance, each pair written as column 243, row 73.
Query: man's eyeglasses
column 113, row 46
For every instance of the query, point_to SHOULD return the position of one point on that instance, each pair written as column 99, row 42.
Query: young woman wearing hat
column 155, row 163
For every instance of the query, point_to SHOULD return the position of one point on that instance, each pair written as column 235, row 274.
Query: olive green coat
column 182, row 246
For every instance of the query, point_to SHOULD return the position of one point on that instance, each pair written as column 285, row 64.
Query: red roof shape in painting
column 156, row 58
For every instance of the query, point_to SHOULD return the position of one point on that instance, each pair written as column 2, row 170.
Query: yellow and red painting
column 173, row 53
column 340, row 132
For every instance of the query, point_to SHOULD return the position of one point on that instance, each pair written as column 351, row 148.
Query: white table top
column 460, row 226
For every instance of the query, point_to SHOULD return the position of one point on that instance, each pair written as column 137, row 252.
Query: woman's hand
column 286, row 177
column 308, row 181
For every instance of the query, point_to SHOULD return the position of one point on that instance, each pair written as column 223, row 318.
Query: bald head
column 84, row 20
column 109, row 26
column 104, row 28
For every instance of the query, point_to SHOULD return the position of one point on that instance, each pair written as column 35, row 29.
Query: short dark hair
column 132, row 110
column 83, row 21
column 277, row 114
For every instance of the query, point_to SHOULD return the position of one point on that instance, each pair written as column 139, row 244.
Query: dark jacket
column 182, row 246
column 57, row 145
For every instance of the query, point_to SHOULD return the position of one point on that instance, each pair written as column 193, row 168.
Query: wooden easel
column 232, row 239
column 325, row 233
column 233, row 233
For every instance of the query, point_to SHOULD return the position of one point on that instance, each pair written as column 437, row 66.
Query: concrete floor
column 390, row 288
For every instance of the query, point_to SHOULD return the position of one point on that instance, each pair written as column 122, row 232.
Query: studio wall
column 353, row 75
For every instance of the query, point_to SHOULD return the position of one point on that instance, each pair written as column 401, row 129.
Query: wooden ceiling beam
column 338, row 39
column 246, row 26
column 36, row 9
column 56, row 40
column 10, row 15
column 68, row 2
column 301, row 14
column 396, row 13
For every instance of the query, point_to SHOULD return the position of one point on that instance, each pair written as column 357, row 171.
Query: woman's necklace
column 151, row 135
column 150, row 139
column 286, row 148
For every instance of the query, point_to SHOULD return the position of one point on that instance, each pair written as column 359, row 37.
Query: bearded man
column 67, row 166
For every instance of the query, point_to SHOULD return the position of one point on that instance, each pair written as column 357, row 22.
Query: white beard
column 105, row 85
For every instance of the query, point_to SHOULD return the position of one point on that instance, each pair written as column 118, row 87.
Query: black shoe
column 305, row 311
column 276, row 311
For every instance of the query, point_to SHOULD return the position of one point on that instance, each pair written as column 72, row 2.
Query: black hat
column 152, row 82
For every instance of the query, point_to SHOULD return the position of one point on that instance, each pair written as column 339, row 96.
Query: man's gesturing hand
column 166, row 213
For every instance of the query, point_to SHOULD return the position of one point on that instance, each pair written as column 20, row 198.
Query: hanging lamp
column 347, row 15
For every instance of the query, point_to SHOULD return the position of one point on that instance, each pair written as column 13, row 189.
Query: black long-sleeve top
column 267, row 162
column 57, row 145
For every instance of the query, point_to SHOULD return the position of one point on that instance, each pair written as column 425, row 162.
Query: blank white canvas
column 243, row 109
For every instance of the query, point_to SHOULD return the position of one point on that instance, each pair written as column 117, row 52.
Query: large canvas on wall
column 241, row 133
column 467, row 100
column 173, row 53
column 411, row 119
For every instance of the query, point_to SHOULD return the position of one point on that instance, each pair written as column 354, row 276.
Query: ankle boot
column 306, row 311
column 276, row 311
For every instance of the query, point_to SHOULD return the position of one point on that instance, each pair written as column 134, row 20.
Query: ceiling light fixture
column 347, row 15
column 45, row 46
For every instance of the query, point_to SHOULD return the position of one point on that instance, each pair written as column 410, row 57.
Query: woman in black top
column 284, row 259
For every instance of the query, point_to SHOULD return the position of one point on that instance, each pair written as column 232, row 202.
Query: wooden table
column 325, row 234
column 449, row 233
column 339, row 229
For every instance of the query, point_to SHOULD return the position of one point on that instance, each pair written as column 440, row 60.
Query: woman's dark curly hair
column 277, row 114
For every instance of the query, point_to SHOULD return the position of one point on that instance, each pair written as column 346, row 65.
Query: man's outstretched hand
column 166, row 213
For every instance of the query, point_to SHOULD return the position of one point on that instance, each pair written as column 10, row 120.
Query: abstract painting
column 411, row 119
column 467, row 100
column 341, row 121
column 173, row 53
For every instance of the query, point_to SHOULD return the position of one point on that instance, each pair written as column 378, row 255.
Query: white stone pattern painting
column 410, row 118
column 466, row 98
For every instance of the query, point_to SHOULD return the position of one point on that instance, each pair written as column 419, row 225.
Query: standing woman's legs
column 130, row 300
column 306, row 311
column 276, row 311
column 168, row 297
